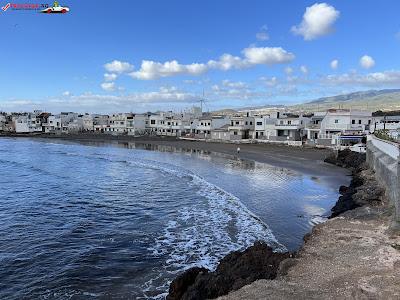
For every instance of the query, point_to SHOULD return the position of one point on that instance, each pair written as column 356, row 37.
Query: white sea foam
column 206, row 231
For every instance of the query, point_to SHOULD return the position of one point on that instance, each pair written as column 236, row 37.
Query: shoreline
column 350, row 256
column 306, row 160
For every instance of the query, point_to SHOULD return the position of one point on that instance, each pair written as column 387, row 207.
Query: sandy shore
column 305, row 160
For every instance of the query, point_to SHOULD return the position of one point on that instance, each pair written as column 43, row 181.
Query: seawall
column 383, row 158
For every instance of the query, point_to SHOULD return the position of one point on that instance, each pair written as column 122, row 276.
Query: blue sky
column 162, row 54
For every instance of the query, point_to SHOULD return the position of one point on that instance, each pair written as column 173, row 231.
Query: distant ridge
column 373, row 100
column 362, row 95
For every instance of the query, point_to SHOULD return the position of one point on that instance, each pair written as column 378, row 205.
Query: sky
column 114, row 56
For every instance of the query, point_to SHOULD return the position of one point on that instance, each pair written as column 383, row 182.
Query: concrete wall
column 381, row 157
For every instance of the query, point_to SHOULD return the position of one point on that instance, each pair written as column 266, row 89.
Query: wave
column 205, row 232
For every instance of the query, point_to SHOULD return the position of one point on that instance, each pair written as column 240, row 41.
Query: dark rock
column 180, row 284
column 234, row 271
column 347, row 159
column 363, row 188
column 343, row 189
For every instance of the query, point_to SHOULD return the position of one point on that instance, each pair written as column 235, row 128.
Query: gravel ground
column 349, row 257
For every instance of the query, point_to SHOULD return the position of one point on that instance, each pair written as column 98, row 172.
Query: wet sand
column 305, row 160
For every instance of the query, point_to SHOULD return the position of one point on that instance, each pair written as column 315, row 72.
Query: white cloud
column 267, row 55
column 153, row 70
column 367, row 62
column 334, row 64
column 376, row 79
column 117, row 66
column 270, row 82
column 108, row 86
column 89, row 102
column 66, row 93
column 288, row 70
column 110, row 76
column 318, row 21
column 232, row 84
column 227, row 62
column 304, row 69
column 263, row 35
column 252, row 56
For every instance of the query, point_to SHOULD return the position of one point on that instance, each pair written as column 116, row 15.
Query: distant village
column 331, row 128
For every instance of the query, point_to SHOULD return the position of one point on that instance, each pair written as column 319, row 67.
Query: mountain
column 360, row 96
column 388, row 99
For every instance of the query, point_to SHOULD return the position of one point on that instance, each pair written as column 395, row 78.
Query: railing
column 388, row 147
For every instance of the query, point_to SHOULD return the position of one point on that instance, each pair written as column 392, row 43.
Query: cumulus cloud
column 110, row 76
column 263, row 35
column 227, row 62
column 252, row 56
column 334, row 64
column 153, row 70
column 117, row 66
column 304, row 69
column 267, row 55
column 376, row 79
column 108, row 86
column 318, row 20
column 367, row 62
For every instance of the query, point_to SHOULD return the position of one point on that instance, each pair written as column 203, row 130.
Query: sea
column 121, row 220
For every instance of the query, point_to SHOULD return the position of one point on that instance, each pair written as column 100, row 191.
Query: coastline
column 306, row 160
column 328, row 242
column 351, row 256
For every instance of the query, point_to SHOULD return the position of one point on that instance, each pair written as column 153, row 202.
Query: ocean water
column 117, row 221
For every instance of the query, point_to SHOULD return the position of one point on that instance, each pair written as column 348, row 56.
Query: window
column 369, row 122
column 336, row 121
column 237, row 122
column 359, row 121
column 246, row 122
column 259, row 123
column 281, row 122
column 235, row 133
column 251, row 123
column 289, row 122
column 152, row 122
column 353, row 121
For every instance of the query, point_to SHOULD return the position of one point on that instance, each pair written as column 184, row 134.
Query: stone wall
column 382, row 157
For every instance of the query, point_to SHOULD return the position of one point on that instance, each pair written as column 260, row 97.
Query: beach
column 307, row 160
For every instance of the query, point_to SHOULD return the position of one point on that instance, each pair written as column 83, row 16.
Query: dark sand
column 306, row 160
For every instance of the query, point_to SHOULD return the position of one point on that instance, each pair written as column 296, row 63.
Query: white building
column 126, row 123
column 240, row 127
column 28, row 123
column 334, row 125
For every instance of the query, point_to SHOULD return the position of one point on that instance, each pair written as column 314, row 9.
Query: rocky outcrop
column 239, row 269
column 347, row 159
column 234, row 271
column 363, row 189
